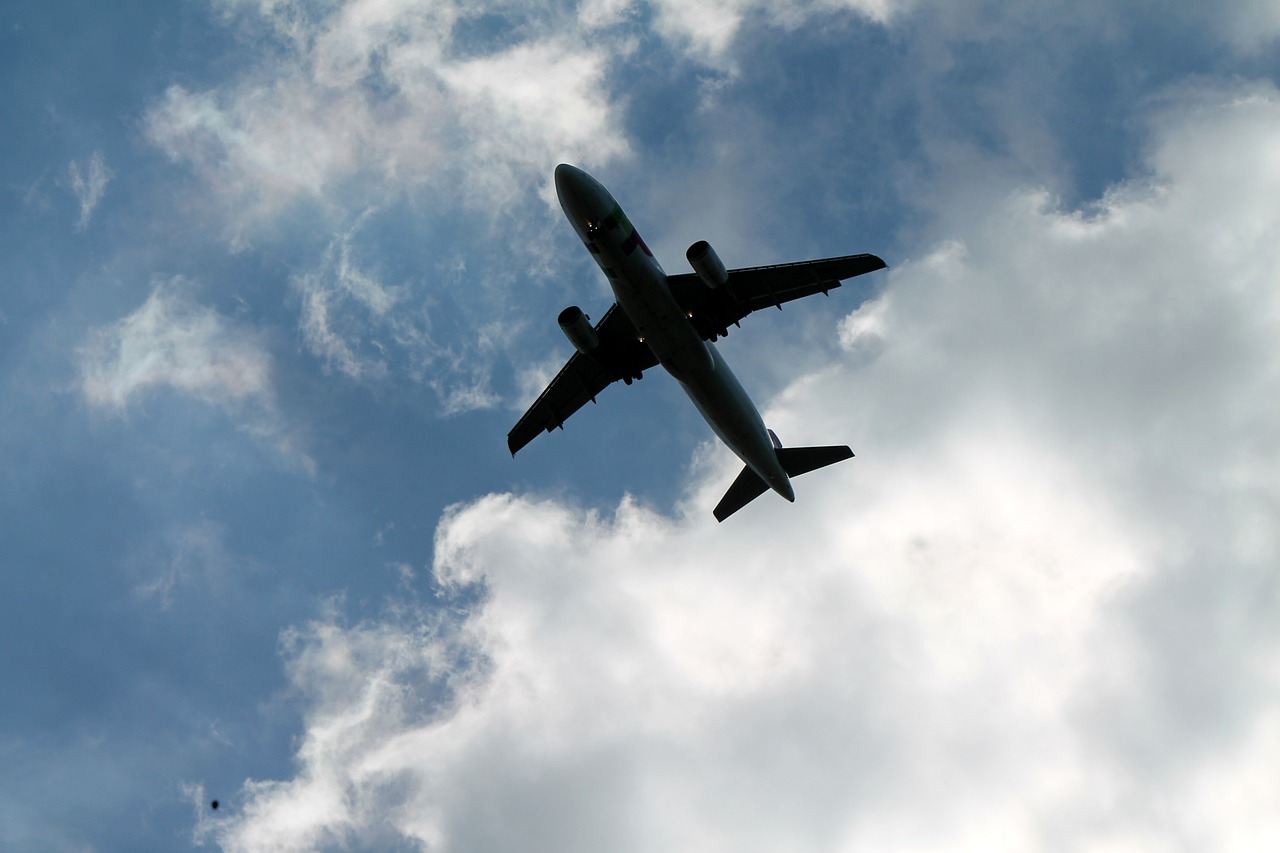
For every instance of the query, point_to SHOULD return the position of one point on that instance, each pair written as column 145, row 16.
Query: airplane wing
column 620, row 355
column 752, row 288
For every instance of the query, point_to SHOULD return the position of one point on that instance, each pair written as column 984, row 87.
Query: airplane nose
column 584, row 201
column 580, row 196
column 568, row 182
column 565, row 172
column 566, row 178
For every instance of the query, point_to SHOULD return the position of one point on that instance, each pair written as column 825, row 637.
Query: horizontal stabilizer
column 801, row 460
column 795, row 461
column 744, row 490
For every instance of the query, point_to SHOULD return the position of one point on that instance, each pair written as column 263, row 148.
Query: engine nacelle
column 706, row 263
column 577, row 328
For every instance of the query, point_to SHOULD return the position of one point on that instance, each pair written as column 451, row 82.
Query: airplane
column 673, row 321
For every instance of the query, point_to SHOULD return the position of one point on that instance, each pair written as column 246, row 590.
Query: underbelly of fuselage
column 705, row 377
column 644, row 296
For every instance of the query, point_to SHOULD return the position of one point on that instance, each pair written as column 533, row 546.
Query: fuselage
column 640, row 288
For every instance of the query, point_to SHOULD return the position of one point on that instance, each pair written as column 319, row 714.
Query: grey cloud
column 708, row 30
column 708, row 27
column 1249, row 26
column 358, row 103
column 1036, row 613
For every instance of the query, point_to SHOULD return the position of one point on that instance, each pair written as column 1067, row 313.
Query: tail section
column 801, row 460
column 744, row 490
column 795, row 461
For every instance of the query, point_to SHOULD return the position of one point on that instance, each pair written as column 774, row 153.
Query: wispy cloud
column 173, row 342
column 88, row 186
column 369, row 106
column 437, row 107
column 193, row 553
column 358, row 326
column 391, row 94
column 998, row 574
column 339, row 303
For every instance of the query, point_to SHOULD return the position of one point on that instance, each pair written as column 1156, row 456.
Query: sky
column 279, row 276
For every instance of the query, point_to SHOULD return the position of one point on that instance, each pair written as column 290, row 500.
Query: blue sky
column 280, row 276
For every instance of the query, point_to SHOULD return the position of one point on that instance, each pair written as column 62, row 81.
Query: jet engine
column 706, row 263
column 577, row 328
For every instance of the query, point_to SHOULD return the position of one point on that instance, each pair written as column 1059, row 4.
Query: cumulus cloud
column 173, row 342
column 1036, row 613
column 88, row 185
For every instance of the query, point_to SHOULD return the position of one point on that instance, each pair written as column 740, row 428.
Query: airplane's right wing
column 619, row 355
column 752, row 288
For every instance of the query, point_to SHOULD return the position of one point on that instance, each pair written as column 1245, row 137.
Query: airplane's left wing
column 752, row 288
column 619, row 355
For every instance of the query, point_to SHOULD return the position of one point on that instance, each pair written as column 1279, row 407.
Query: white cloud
column 370, row 98
column 1036, row 613
column 88, row 186
column 170, row 340
column 531, row 106
column 534, row 376
column 354, row 107
column 173, row 342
